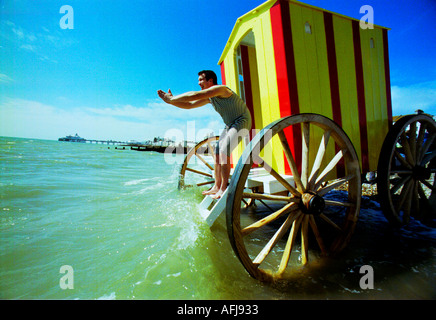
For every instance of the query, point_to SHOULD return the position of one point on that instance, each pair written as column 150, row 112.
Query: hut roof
column 262, row 9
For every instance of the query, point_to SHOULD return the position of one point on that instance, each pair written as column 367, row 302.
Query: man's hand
column 165, row 96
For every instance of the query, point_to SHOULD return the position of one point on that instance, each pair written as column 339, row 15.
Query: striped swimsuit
column 237, row 118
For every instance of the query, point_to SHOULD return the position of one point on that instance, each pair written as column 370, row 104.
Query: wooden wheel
column 406, row 170
column 268, row 245
column 198, row 166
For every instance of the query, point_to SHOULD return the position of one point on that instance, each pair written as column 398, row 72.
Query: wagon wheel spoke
column 211, row 149
column 270, row 218
column 332, row 164
column 261, row 196
column 421, row 192
column 409, row 201
column 277, row 236
column 402, row 171
column 406, row 148
column 276, row 175
column 204, row 161
column 317, row 235
column 412, row 141
column 303, row 222
column 305, row 240
column 337, row 183
column 319, row 157
column 289, row 244
column 402, row 160
column 415, row 197
column 291, row 162
column 424, row 201
column 205, row 183
column 426, row 146
column 305, row 154
column 428, row 185
column 398, row 183
column 199, row 172
column 429, row 157
column 331, row 223
column 420, row 140
column 404, row 200
column 194, row 171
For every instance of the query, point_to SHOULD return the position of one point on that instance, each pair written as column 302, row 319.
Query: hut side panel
column 298, row 58
column 375, row 91
column 347, row 85
column 312, row 68
column 268, row 85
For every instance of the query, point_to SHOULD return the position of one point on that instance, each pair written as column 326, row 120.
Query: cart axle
column 311, row 203
column 421, row 173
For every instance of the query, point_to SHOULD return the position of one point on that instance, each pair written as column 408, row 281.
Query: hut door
column 248, row 82
column 240, row 74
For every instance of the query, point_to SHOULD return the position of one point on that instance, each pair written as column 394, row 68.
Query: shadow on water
column 403, row 261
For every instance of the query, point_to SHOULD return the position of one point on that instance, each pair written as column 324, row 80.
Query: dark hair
column 209, row 74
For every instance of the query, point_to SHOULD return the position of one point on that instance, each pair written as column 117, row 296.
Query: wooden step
column 211, row 209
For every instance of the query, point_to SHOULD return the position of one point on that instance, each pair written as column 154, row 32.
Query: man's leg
column 225, row 174
column 217, row 175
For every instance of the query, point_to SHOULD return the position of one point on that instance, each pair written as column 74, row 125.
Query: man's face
column 203, row 83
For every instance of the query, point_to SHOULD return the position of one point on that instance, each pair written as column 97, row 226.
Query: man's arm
column 168, row 98
column 190, row 104
column 214, row 91
column 194, row 99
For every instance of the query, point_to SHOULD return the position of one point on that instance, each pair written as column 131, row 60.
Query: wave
column 158, row 185
column 111, row 296
column 135, row 182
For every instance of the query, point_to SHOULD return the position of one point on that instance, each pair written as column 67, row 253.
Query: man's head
column 206, row 79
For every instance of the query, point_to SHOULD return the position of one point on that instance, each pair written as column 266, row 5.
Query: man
column 235, row 115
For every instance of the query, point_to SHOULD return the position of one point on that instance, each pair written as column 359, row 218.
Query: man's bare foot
column 217, row 195
column 211, row 191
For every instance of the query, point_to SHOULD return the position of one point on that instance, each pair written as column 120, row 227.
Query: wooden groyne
column 162, row 149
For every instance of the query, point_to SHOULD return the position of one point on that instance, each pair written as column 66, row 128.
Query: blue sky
column 100, row 78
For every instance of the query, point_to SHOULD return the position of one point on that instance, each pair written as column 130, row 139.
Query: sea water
column 117, row 222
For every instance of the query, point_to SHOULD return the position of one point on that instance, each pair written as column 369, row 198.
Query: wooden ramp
column 211, row 209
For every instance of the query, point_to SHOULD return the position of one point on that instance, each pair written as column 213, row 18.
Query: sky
column 99, row 77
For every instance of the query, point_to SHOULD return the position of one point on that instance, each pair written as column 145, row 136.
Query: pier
column 161, row 145
column 77, row 138
column 113, row 142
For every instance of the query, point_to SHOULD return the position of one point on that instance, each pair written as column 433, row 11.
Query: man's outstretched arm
column 170, row 99
column 194, row 99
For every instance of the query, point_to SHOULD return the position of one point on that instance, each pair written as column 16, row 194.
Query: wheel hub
column 421, row 173
column 311, row 203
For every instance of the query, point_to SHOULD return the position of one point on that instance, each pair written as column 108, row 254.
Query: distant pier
column 161, row 145
column 79, row 139
column 113, row 142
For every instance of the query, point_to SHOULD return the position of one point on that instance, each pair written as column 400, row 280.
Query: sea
column 91, row 221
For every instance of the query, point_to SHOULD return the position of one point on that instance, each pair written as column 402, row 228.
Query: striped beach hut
column 286, row 57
